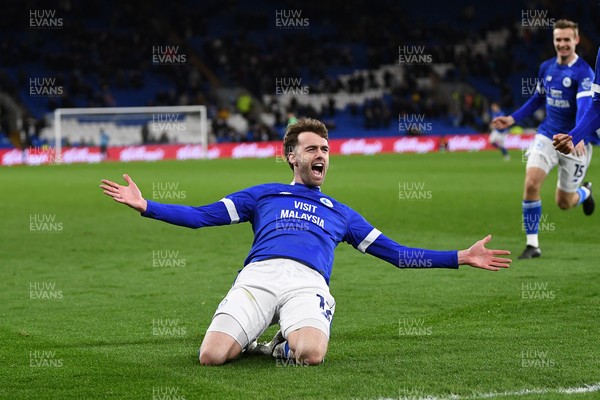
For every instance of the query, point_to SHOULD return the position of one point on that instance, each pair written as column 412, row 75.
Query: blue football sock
column 532, row 214
column 584, row 193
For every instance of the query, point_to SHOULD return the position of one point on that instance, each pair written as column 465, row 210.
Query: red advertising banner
column 156, row 152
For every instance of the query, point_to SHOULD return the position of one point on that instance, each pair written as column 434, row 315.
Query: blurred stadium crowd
column 257, row 64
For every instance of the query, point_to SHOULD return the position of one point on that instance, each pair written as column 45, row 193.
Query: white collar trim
column 294, row 182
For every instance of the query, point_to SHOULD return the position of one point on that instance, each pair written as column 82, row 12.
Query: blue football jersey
column 301, row 223
column 588, row 128
column 596, row 84
column 565, row 91
column 562, row 86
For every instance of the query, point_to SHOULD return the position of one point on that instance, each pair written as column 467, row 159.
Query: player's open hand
column 503, row 122
column 129, row 195
column 480, row 257
column 563, row 143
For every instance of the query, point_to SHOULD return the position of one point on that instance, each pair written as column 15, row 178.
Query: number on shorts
column 578, row 170
column 326, row 313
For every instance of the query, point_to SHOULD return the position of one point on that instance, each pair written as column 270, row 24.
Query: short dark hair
column 290, row 140
column 566, row 24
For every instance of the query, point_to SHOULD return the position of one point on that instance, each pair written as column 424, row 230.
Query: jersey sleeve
column 584, row 93
column 233, row 208
column 588, row 122
column 536, row 101
column 214, row 214
column 588, row 125
column 367, row 239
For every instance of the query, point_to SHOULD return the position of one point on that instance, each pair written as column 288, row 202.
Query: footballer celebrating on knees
column 285, row 278
column 564, row 88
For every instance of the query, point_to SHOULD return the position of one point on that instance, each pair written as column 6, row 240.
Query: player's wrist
column 143, row 206
column 463, row 257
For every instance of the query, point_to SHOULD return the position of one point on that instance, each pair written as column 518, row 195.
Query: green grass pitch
column 98, row 302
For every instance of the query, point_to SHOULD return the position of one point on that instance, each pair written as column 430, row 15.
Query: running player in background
column 564, row 88
column 498, row 137
column 285, row 279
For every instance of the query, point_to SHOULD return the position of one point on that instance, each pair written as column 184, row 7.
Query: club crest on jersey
column 586, row 84
column 566, row 81
column 549, row 78
column 326, row 201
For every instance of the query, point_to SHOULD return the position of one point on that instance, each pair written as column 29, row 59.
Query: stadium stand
column 239, row 61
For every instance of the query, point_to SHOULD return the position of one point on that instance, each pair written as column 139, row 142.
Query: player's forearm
column 188, row 216
column 527, row 109
column 588, row 125
column 411, row 257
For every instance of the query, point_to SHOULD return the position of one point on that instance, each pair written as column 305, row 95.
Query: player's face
column 310, row 159
column 564, row 43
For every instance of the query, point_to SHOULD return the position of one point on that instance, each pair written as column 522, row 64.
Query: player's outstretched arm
column 223, row 212
column 479, row 256
column 563, row 143
column 129, row 195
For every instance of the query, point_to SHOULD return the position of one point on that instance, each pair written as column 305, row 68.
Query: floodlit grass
column 88, row 312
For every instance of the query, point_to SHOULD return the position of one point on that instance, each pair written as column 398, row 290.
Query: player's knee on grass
column 309, row 345
column 310, row 355
column 218, row 348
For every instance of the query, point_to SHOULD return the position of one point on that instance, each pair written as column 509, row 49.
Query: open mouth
column 317, row 169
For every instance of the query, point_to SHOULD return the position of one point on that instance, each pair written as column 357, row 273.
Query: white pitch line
column 595, row 387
